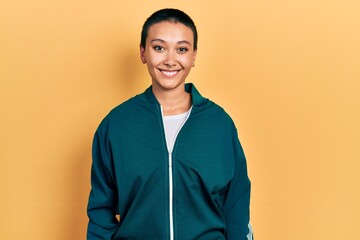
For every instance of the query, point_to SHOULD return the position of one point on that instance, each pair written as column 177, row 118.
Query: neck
column 174, row 101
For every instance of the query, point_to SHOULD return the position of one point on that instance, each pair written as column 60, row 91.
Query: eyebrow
column 163, row 41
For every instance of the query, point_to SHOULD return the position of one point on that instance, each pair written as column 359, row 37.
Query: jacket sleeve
column 237, row 202
column 102, row 200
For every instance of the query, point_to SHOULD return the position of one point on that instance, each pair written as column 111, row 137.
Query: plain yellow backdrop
column 287, row 71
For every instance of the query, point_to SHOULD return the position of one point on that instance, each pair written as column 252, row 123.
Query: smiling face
column 169, row 54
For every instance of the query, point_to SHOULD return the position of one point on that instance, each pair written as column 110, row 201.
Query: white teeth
column 169, row 73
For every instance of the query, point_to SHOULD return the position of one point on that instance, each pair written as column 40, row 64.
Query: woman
column 168, row 161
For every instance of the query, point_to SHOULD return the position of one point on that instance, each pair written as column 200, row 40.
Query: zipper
column 170, row 164
column 171, row 197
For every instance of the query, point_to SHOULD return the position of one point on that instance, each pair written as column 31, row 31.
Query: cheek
column 150, row 56
column 154, row 60
column 187, row 61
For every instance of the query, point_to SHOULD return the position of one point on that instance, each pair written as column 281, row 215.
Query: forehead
column 170, row 31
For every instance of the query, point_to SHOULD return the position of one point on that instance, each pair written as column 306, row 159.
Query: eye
column 183, row 50
column 159, row 48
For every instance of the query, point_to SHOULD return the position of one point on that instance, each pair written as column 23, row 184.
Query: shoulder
column 124, row 108
column 215, row 116
column 120, row 114
column 221, row 113
column 206, row 105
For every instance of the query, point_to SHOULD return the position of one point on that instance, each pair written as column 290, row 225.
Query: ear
column 194, row 57
column 142, row 54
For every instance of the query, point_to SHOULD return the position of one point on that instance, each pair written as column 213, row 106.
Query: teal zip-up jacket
column 130, row 175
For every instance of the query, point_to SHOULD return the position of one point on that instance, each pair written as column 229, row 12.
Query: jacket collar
column 196, row 98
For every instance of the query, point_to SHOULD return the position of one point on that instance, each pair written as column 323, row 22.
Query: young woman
column 168, row 161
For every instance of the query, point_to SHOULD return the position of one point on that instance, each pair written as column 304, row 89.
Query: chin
column 168, row 84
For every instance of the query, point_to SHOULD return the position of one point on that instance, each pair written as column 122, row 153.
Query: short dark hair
column 168, row 15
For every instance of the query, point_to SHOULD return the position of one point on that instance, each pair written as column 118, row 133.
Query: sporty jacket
column 205, row 178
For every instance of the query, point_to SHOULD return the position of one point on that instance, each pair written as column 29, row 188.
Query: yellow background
column 287, row 71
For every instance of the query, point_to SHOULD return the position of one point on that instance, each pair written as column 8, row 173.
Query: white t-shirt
column 172, row 126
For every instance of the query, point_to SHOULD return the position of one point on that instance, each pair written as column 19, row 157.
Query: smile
column 169, row 73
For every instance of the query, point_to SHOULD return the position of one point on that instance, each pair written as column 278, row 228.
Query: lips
column 168, row 73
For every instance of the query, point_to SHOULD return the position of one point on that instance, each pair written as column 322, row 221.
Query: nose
column 170, row 60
